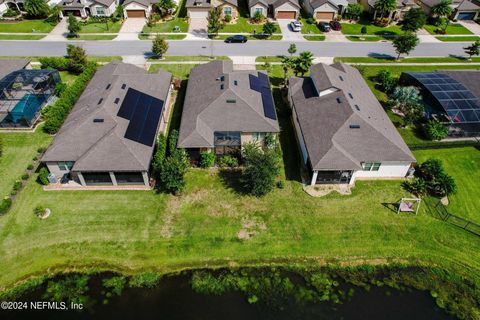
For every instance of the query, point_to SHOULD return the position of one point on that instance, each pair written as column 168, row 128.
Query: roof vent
column 231, row 101
column 350, row 95
column 116, row 100
column 222, row 78
column 357, row 107
column 235, row 82
column 108, row 86
column 339, row 100
column 222, row 86
column 98, row 120
column 100, row 101
column 354, row 126
column 124, row 86
column 341, row 78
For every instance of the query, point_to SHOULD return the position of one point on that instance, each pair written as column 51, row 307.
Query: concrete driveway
column 131, row 28
column 197, row 29
column 471, row 25
column 287, row 33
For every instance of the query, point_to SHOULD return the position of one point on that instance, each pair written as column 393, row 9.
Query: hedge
column 5, row 204
column 56, row 114
column 61, row 64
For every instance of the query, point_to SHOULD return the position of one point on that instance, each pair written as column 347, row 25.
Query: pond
column 174, row 298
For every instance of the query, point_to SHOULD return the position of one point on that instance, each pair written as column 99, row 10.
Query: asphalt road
column 219, row 48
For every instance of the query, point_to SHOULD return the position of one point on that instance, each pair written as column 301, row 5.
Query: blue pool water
column 27, row 107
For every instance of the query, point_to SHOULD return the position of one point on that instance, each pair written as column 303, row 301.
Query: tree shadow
column 232, row 179
column 381, row 56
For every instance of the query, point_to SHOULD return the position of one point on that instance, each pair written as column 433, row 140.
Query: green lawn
column 101, row 27
column 19, row 149
column 268, row 59
column 315, row 38
column 464, row 165
column 94, row 37
column 250, row 37
column 309, row 27
column 405, row 60
column 168, row 26
column 165, row 36
column 459, row 39
column 453, row 28
column 189, row 58
column 364, row 38
column 355, row 28
column 242, row 25
column 26, row 26
column 179, row 70
column 20, row 37
column 67, row 77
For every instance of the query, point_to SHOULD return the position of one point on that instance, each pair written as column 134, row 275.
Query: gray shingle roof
column 460, row 4
column 325, row 120
column 8, row 66
column 103, row 146
column 469, row 78
column 206, row 3
column 206, row 110
column 145, row 3
column 274, row 3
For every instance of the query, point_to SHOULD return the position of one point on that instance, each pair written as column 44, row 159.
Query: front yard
column 101, row 27
column 453, row 28
column 26, row 26
column 243, row 25
column 356, row 28
column 168, row 26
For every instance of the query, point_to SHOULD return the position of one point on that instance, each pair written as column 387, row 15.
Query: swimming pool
column 27, row 107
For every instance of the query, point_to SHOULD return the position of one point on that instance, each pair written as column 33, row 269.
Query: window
column 259, row 10
column 371, row 166
column 227, row 138
column 227, row 11
column 129, row 178
column 65, row 165
column 258, row 136
column 100, row 11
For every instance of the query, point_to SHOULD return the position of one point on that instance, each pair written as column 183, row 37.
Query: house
column 200, row 8
column 24, row 92
column 278, row 9
column 453, row 97
column 463, row 9
column 326, row 9
column 402, row 7
column 18, row 5
column 138, row 8
column 224, row 109
column 109, row 137
column 86, row 8
column 342, row 129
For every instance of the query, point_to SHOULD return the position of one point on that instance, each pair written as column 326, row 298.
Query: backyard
column 26, row 26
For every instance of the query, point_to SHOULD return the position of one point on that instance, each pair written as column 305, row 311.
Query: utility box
column 52, row 178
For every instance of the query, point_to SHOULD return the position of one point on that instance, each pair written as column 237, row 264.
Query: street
column 219, row 48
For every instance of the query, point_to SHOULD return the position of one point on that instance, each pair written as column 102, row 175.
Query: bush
column 58, row 63
column 17, row 185
column 258, row 17
column 55, row 114
column 382, row 22
column 172, row 176
column 261, row 169
column 115, row 284
column 41, row 149
column 227, row 18
column 207, row 159
column 228, row 162
column 386, row 80
column 435, row 130
column 160, row 155
column 144, row 280
column 311, row 20
column 281, row 184
column 431, row 178
column 77, row 59
column 30, row 167
column 11, row 13
column 39, row 211
column 5, row 205
column 43, row 176
column 72, row 288
column 25, row 176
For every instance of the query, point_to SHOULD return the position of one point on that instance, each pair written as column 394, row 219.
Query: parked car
column 335, row 25
column 296, row 26
column 236, row 39
column 324, row 26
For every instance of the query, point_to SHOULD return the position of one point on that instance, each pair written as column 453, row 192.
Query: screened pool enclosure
column 23, row 94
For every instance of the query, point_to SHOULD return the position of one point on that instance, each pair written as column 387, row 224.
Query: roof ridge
column 96, row 143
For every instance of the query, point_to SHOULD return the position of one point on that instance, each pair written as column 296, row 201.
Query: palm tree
column 384, row 7
column 303, row 62
column 443, row 10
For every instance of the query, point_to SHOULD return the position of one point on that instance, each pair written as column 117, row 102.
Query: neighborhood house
column 225, row 109
column 200, row 8
column 325, row 10
column 87, row 8
column 109, row 136
column 342, row 129
column 402, row 7
column 277, row 9
column 463, row 9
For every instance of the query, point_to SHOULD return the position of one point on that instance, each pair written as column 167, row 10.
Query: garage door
column 286, row 15
column 75, row 13
column 136, row 13
column 198, row 14
column 325, row 16
column 466, row 16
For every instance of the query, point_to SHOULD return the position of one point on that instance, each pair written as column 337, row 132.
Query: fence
column 439, row 211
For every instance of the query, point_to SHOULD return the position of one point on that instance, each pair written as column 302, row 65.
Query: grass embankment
column 137, row 231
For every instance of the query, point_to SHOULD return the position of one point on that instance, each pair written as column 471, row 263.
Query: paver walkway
column 471, row 25
column 131, row 28
column 59, row 33
column 197, row 29
column 287, row 33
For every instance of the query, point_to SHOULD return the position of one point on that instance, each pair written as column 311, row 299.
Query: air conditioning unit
column 52, row 178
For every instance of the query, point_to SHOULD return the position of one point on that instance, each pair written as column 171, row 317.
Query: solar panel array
column 261, row 84
column 458, row 102
column 143, row 112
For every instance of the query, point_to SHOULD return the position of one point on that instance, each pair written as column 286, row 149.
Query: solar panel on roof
column 261, row 84
column 143, row 112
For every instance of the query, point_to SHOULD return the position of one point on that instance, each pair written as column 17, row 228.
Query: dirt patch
column 251, row 226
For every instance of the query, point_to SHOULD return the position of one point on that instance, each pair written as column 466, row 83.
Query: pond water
column 174, row 299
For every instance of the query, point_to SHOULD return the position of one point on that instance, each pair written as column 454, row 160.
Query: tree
column 77, row 59
column 261, row 169
column 268, row 28
column 354, row 10
column 414, row 20
column 172, row 174
column 387, row 81
column 160, row 155
column 73, row 26
column 473, row 49
column 215, row 20
column 434, row 130
column 407, row 100
column 438, row 182
column 364, row 30
column 165, row 6
column 287, row 64
column 303, row 62
column 159, row 46
column 292, row 49
column 405, row 43
column 443, row 9
column 55, row 12
column 37, row 8
column 384, row 7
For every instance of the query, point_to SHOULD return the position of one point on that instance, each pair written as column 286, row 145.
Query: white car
column 296, row 26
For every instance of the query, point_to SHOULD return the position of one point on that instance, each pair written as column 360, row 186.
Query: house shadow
column 232, row 179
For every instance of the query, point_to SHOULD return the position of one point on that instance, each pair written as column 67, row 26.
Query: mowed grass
column 19, row 149
column 20, row 37
column 459, row 39
column 26, row 26
column 464, row 165
column 356, row 28
column 168, row 26
column 242, row 25
column 390, row 60
column 453, row 28
column 101, row 27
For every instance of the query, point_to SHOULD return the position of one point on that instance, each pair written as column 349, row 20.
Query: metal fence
column 439, row 211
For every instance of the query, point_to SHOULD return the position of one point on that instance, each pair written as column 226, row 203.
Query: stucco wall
column 53, row 168
column 387, row 170
column 286, row 7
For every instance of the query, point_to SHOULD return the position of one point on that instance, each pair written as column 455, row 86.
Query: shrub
column 11, row 13
column 43, row 176
column 261, row 168
column 115, row 284
column 58, row 63
column 172, row 141
column 268, row 28
column 386, row 80
column 311, row 20
column 17, row 185
column 281, row 184
column 228, row 161
column 434, row 130
column 159, row 46
column 172, row 176
column 73, row 26
column 416, row 186
column 364, row 30
column 41, row 149
column 207, row 159
column 227, row 18
column 25, row 176
column 30, row 167
column 431, row 178
column 144, row 280
column 71, row 289
column 5, row 205
column 39, row 211
column 258, row 17
column 160, row 155
column 382, row 22
column 77, row 59
column 35, row 158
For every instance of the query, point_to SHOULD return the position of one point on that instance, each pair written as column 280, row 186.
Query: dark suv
column 324, row 26
column 335, row 25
